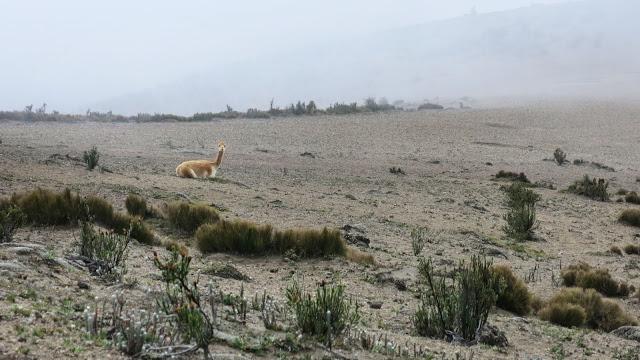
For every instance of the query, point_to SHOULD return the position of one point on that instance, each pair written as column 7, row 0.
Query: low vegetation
column 91, row 158
column 587, row 277
column 107, row 251
column 592, row 188
column 560, row 156
column 512, row 176
column 11, row 218
column 455, row 311
column 327, row 314
column 136, row 205
column 576, row 307
column 243, row 237
column 632, row 249
column 632, row 198
column 630, row 217
column 513, row 294
column 521, row 217
column 189, row 217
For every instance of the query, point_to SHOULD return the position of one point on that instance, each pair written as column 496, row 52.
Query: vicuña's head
column 221, row 145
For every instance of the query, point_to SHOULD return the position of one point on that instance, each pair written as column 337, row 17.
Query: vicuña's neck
column 219, row 157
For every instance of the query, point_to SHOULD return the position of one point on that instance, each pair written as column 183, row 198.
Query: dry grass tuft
column 632, row 198
column 136, row 205
column 585, row 276
column 514, row 295
column 615, row 250
column 630, row 217
column 188, row 217
column 632, row 249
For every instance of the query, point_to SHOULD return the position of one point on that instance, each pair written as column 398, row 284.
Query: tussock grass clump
column 136, row 205
column 45, row 207
column 592, row 188
column 100, row 210
column 512, row 176
column 585, row 276
column 630, row 217
column 597, row 313
column 513, row 294
column 11, row 218
column 632, row 249
column 460, row 309
column 632, row 198
column 91, row 158
column 615, row 250
column 327, row 314
column 188, row 217
column 244, row 237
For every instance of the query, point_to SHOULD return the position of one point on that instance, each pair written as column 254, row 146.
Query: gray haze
column 184, row 57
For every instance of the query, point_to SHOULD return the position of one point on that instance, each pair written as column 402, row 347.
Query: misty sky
column 73, row 53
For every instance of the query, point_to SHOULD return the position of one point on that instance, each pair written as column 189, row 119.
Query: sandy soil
column 449, row 158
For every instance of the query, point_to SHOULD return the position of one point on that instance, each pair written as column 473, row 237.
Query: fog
column 185, row 57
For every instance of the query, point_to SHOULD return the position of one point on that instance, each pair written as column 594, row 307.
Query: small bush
column 615, row 250
column 136, row 205
column 592, row 188
column 512, row 176
column 559, row 156
column 397, row 171
column 418, row 239
column 243, row 237
column 630, row 217
column 188, row 217
column 518, row 195
column 327, row 314
column 632, row 198
column 461, row 309
column 108, row 251
column 11, row 219
column 44, row 207
column 521, row 218
column 513, row 294
column 91, row 158
column 599, row 313
column 100, row 210
column 632, row 249
column 584, row 276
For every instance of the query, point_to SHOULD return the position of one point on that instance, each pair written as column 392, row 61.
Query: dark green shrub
column 630, row 217
column 559, row 156
column 327, row 314
column 599, row 313
column 521, row 218
column 592, row 188
column 585, row 276
column 44, row 207
column 518, row 195
column 11, row 219
column 460, row 309
column 513, row 294
column 107, row 250
column 244, row 237
column 512, row 176
column 632, row 198
column 632, row 249
column 91, row 158
column 136, row 205
column 188, row 217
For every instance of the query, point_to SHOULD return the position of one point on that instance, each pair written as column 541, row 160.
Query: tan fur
column 201, row 168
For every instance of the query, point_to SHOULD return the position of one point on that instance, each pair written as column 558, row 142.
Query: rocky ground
column 332, row 171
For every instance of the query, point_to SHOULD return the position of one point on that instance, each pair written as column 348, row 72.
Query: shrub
column 630, row 217
column 513, row 294
column 44, row 207
column 91, row 158
column 559, row 156
column 632, row 198
column 244, row 237
column 107, row 251
column 102, row 212
column 592, row 188
column 512, row 176
column 632, row 249
column 584, row 276
column 11, row 219
column 136, row 205
column 599, row 313
column 521, row 218
column 615, row 250
column 397, row 171
column 327, row 314
column 458, row 310
column 188, row 217
column 418, row 239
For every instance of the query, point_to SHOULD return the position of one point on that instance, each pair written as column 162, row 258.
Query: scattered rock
column 12, row 266
column 473, row 205
column 488, row 163
column 308, row 154
column 386, row 277
column 628, row 332
column 435, row 162
column 349, row 228
column 375, row 304
column 492, row 336
column 350, row 234
column 350, row 197
column 83, row 285
column 276, row 203
column 21, row 250
column 227, row 271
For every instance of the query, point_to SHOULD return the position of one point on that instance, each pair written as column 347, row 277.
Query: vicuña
column 201, row 168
